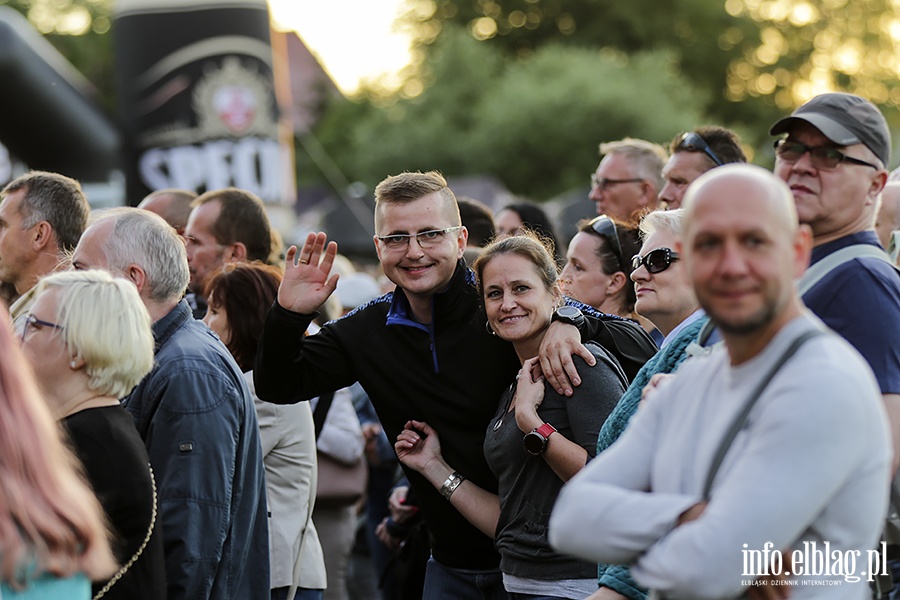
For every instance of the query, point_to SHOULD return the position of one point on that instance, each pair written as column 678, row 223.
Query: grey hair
column 56, row 199
column 648, row 158
column 665, row 220
column 145, row 239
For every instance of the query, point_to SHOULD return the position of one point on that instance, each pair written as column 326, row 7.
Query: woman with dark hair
column 538, row 439
column 598, row 266
column 239, row 297
column 515, row 218
column 51, row 526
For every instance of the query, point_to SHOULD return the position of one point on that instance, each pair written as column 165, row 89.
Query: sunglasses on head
column 606, row 228
column 655, row 261
column 694, row 143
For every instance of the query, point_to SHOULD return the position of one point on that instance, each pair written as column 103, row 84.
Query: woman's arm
column 419, row 448
column 564, row 456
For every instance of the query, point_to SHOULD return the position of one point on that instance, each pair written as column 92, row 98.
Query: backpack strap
column 741, row 417
column 321, row 411
column 816, row 272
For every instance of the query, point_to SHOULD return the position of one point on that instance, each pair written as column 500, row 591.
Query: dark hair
column 56, row 199
column 630, row 243
column 723, row 142
column 478, row 219
column 534, row 218
column 245, row 291
column 242, row 219
column 527, row 245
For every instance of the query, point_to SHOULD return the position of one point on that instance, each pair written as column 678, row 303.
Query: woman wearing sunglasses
column 537, row 439
column 666, row 297
column 598, row 266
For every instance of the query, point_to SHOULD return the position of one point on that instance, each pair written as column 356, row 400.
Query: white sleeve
column 800, row 450
column 606, row 513
column 341, row 437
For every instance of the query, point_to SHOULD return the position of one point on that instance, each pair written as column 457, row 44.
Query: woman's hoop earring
column 487, row 327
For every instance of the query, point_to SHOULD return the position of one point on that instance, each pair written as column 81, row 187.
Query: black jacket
column 450, row 374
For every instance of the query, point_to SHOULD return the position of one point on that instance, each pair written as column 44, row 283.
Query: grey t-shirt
column 528, row 486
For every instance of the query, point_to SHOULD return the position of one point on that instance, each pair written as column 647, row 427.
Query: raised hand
column 560, row 343
column 529, row 395
column 306, row 284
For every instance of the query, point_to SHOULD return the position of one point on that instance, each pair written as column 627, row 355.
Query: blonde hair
column 409, row 187
column 665, row 220
column 50, row 521
column 106, row 324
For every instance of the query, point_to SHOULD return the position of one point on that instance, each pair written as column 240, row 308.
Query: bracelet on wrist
column 451, row 483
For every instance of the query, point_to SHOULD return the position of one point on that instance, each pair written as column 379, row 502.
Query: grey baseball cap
column 844, row 119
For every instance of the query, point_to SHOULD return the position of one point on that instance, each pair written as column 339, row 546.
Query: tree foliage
column 534, row 123
column 753, row 59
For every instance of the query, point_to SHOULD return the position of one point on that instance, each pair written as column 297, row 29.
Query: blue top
column 859, row 300
column 48, row 587
column 197, row 419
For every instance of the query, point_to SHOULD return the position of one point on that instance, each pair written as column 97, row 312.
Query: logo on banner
column 233, row 100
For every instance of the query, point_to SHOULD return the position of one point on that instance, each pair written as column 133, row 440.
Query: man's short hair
column 178, row 209
column 662, row 220
column 243, row 219
column 648, row 158
column 56, row 199
column 143, row 238
column 105, row 323
column 410, row 186
column 478, row 219
column 723, row 142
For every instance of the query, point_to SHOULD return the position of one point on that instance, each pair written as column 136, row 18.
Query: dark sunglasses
column 694, row 143
column 823, row 158
column 655, row 261
column 606, row 227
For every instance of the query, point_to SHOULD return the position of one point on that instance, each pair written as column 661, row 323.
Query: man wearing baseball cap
column 834, row 158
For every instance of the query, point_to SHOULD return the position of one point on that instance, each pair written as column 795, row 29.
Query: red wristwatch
column 535, row 443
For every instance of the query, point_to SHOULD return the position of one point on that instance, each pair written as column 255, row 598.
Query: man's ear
column 803, row 242
column 236, row 252
column 42, row 236
column 462, row 241
column 377, row 247
column 137, row 276
column 879, row 180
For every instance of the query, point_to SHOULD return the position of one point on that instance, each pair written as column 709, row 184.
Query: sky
column 353, row 39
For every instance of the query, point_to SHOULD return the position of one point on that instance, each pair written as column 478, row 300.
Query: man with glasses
column 833, row 157
column 693, row 153
column 421, row 352
column 42, row 216
column 627, row 181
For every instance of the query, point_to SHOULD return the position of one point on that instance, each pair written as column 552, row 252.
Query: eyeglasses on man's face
column 655, row 261
column 425, row 239
column 604, row 184
column 693, row 142
column 606, row 228
column 823, row 158
column 33, row 323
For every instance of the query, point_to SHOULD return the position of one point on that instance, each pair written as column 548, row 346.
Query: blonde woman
column 89, row 339
column 51, row 526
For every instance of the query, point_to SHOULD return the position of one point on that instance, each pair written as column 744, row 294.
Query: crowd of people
column 695, row 393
